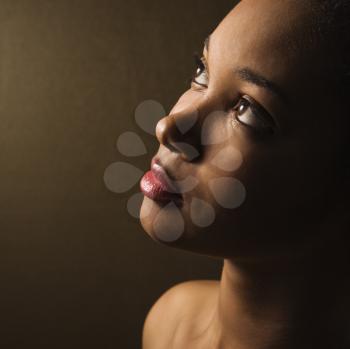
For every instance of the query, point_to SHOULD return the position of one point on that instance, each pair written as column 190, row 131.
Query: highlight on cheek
column 169, row 224
column 228, row 159
column 202, row 213
column 188, row 150
column 228, row 192
column 213, row 128
column 185, row 185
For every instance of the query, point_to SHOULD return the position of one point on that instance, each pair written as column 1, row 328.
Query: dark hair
column 332, row 28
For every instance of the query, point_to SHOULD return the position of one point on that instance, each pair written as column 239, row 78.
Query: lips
column 156, row 185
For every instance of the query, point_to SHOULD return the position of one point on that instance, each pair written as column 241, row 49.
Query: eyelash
column 202, row 66
column 259, row 112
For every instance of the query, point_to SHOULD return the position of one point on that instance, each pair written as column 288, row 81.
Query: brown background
column 76, row 271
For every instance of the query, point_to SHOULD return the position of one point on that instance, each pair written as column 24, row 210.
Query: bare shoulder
column 175, row 306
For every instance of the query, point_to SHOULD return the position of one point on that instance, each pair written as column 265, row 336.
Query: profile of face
column 245, row 165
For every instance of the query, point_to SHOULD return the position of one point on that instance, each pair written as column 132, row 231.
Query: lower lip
column 155, row 189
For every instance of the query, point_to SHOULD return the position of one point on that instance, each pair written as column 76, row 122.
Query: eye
column 200, row 77
column 252, row 115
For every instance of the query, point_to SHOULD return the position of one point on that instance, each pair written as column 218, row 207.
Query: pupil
column 243, row 107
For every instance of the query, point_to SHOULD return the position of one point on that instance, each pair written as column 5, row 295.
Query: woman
column 252, row 168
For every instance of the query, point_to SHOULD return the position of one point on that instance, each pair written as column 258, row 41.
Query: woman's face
column 249, row 147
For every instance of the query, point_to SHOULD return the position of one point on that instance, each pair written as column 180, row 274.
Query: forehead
column 272, row 37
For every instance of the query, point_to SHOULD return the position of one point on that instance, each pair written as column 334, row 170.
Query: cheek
column 221, row 164
column 163, row 222
column 285, row 192
column 216, row 189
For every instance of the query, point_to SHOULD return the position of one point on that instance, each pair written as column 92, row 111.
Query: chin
column 148, row 212
column 170, row 225
column 164, row 222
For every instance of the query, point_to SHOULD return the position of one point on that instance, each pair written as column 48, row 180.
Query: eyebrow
column 252, row 77
column 255, row 78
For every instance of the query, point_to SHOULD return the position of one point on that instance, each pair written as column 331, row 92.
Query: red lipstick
column 156, row 185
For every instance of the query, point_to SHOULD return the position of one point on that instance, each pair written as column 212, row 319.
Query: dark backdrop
column 76, row 270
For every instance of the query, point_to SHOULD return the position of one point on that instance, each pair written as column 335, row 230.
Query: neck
column 282, row 303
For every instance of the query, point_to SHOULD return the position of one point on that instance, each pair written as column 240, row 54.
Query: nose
column 180, row 133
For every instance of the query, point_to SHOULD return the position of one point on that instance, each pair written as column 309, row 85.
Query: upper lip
column 161, row 173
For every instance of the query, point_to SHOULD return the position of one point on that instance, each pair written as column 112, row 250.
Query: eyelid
column 261, row 110
column 205, row 62
column 200, row 61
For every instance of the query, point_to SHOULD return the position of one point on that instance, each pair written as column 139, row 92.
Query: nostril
column 169, row 134
column 189, row 152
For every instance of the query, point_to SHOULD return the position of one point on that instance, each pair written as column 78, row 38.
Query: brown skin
column 285, row 260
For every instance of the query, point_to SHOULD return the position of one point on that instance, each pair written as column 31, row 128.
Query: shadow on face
column 253, row 135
